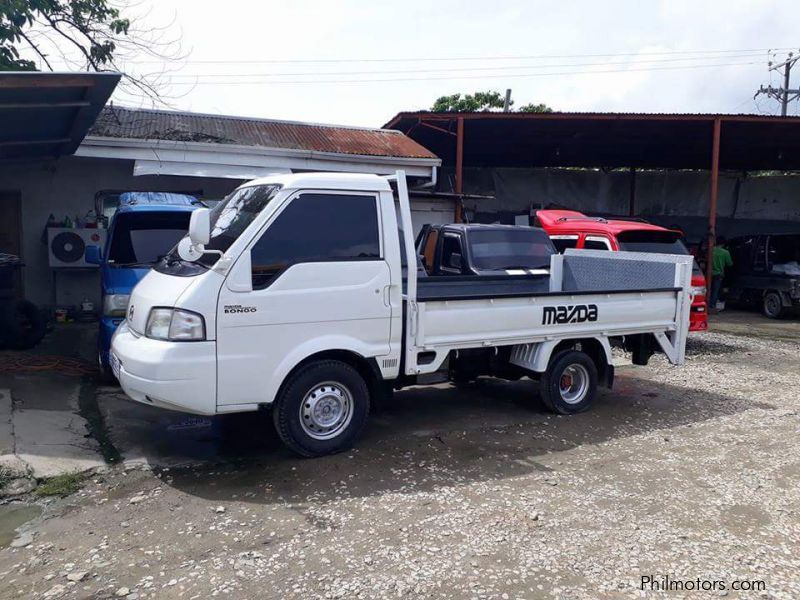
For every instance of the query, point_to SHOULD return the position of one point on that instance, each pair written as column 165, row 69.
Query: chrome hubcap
column 326, row 410
column 573, row 384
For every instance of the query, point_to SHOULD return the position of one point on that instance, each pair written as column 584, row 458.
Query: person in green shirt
column 720, row 260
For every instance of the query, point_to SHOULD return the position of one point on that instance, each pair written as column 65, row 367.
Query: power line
column 458, row 77
column 465, row 58
column 453, row 69
column 784, row 94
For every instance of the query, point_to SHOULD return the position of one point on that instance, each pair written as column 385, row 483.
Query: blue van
column 144, row 227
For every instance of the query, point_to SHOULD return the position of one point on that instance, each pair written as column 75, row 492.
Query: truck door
column 319, row 280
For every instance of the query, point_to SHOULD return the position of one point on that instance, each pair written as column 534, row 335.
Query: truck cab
column 766, row 272
column 143, row 228
column 484, row 250
column 573, row 229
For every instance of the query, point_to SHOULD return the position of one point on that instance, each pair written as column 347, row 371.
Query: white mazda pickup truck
column 293, row 295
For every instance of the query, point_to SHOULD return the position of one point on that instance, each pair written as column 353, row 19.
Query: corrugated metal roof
column 604, row 116
column 642, row 140
column 116, row 122
column 46, row 115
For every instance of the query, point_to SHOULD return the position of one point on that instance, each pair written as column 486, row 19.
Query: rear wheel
column 322, row 408
column 772, row 305
column 570, row 383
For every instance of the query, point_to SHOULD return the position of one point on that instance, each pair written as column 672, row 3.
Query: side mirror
column 200, row 226
column 455, row 261
column 93, row 255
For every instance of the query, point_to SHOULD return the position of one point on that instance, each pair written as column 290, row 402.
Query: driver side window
column 317, row 227
column 452, row 255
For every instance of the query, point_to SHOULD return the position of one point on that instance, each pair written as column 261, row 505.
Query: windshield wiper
column 132, row 264
column 522, row 267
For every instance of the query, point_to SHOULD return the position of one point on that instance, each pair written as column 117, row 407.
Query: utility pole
column 784, row 94
column 507, row 102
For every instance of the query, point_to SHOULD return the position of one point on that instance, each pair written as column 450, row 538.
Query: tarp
column 661, row 193
column 745, row 203
column 138, row 198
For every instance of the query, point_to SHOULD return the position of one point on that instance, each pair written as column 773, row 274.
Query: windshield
column 142, row 239
column 228, row 220
column 661, row 242
column 518, row 248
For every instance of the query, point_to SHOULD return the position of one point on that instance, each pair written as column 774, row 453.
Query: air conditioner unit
column 66, row 246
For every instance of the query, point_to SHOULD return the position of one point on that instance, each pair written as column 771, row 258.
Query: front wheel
column 105, row 374
column 570, row 383
column 322, row 408
column 773, row 305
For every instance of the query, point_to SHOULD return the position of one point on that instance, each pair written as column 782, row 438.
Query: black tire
column 106, row 374
column 286, row 412
column 772, row 305
column 23, row 326
column 550, row 384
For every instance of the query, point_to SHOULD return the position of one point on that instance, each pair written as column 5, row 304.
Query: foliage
column 535, row 108
column 90, row 26
column 91, row 35
column 60, row 485
column 481, row 102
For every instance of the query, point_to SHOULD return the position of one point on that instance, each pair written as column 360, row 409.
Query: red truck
column 572, row 229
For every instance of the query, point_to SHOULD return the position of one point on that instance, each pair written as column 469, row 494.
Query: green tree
column 83, row 34
column 92, row 27
column 481, row 102
column 535, row 108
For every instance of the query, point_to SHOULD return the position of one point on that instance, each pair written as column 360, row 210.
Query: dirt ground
column 688, row 473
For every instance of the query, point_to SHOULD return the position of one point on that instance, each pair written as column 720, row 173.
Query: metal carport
column 710, row 142
column 46, row 115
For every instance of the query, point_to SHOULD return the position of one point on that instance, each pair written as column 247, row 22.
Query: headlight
column 115, row 305
column 175, row 325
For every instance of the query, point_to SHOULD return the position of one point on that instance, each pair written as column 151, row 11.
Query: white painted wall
column 67, row 187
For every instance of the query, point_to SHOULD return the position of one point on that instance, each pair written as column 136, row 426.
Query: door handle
column 387, row 295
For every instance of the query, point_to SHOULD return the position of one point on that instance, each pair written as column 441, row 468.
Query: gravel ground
column 691, row 473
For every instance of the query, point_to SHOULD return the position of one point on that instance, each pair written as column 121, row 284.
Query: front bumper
column 108, row 325
column 178, row 376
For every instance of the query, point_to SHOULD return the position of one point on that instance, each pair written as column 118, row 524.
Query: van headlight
column 175, row 325
column 115, row 305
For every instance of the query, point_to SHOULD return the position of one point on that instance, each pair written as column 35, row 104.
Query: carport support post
column 632, row 197
column 712, row 203
column 459, row 166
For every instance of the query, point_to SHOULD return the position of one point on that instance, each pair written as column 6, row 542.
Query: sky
column 360, row 63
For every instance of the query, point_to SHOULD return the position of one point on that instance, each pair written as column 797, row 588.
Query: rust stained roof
column 118, row 122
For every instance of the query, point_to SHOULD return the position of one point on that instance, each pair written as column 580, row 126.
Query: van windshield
column 664, row 242
column 518, row 248
column 660, row 242
column 140, row 239
column 228, row 220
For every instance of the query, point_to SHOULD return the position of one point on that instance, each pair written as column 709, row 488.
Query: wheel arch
column 598, row 349
column 366, row 367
